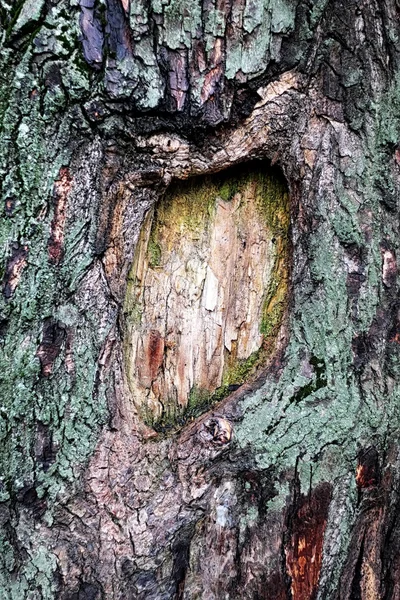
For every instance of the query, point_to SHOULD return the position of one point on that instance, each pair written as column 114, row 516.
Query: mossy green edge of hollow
column 200, row 401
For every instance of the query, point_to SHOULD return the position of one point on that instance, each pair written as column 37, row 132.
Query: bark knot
column 219, row 430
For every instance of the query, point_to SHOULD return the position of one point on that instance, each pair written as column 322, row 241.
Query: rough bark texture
column 289, row 487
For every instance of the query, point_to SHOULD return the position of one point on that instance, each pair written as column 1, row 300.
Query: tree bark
column 288, row 487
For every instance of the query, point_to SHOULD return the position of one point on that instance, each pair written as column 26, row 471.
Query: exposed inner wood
column 204, row 290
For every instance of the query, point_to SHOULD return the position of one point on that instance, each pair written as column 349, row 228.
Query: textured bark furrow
column 369, row 572
column 62, row 188
column 53, row 338
column 367, row 473
column 191, row 51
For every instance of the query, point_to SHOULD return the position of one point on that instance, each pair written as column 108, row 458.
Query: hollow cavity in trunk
column 206, row 291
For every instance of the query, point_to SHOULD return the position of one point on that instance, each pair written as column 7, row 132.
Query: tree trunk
column 200, row 322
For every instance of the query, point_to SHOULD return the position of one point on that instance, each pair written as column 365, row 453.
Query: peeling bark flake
column 220, row 429
column 16, row 264
column 126, row 6
column 92, row 34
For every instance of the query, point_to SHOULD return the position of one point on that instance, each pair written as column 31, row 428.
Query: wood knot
column 220, row 430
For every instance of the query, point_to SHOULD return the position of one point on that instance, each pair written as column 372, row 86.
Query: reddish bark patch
column 304, row 552
column 15, row 265
column 367, row 473
column 394, row 333
column 62, row 188
column 53, row 337
column 151, row 358
column 155, row 353
column 211, row 82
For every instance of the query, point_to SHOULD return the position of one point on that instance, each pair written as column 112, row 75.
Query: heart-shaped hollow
column 206, row 292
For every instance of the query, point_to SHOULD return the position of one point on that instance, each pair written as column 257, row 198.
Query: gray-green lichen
column 39, row 115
